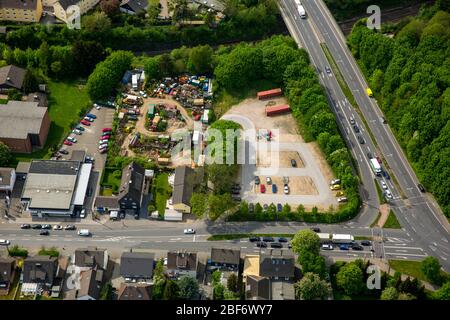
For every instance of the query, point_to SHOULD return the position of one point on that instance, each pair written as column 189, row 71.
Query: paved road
column 417, row 213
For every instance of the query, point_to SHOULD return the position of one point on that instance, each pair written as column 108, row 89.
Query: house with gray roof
column 135, row 291
column 277, row 264
column 137, row 266
column 11, row 77
column 91, row 257
column 41, row 270
column 134, row 6
column 183, row 187
column 180, row 263
column 131, row 187
column 225, row 258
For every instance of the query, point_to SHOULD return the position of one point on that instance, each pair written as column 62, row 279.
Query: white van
column 84, row 233
column 114, row 215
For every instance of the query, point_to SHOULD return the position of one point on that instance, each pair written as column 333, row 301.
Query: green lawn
column 392, row 222
column 411, row 268
column 112, row 178
column 66, row 99
column 162, row 191
column 3, row 101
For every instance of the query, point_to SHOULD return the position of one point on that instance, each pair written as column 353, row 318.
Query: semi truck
column 375, row 166
column 343, row 238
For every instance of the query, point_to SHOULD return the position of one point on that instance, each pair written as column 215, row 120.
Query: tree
column 110, row 7
column 312, row 262
column 96, row 25
column 232, row 283
column 443, row 293
column 219, row 292
column 389, row 293
column 189, row 288
column 86, row 55
column 158, row 272
column 431, row 268
column 406, row 296
column 215, row 277
column 222, row 176
column 306, row 240
column 311, row 287
column 30, row 82
column 5, row 155
column 171, row 290
column 350, row 279
column 219, row 204
column 199, row 204
column 152, row 68
column 201, row 60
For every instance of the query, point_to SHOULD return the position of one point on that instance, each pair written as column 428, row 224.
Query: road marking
column 193, row 240
column 401, row 257
column 411, row 248
column 443, row 258
column 408, row 254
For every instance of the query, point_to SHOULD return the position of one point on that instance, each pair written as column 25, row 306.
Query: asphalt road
column 417, row 213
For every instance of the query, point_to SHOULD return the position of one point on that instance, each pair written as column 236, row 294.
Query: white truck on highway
column 343, row 238
column 324, row 237
column 375, row 166
column 301, row 11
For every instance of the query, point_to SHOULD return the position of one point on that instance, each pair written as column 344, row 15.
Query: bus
column 375, row 166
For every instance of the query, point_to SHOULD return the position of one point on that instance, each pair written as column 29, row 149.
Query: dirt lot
column 297, row 185
column 265, row 159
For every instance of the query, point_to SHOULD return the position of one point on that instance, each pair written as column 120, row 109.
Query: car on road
column 67, row 143
column 356, row 128
column 276, row 245
column 257, row 181
column 283, row 240
column 286, row 189
column 70, row 227
column 189, row 231
column 261, row 244
column 293, row 163
column 385, row 174
column 262, row 188
column 361, row 139
column 285, row 180
column 81, row 128
column 4, row 242
column 383, row 185
column 46, row 226
column 36, row 226
column 388, row 194
column 366, row 243
column 72, row 139
column 25, row 226
column 269, row 180
column 369, row 155
column 84, row 233
column 265, row 206
column 421, row 188
column 327, row 246
column 136, row 217
column 57, row 227
column 63, row 151
column 279, row 207
column 268, row 239
column 357, row 247
column 352, row 120
column 383, row 120
column 274, row 188
column 315, row 229
column 90, row 115
column 344, row 247
column 86, row 123
column 44, row 233
column 254, row 239
column 379, row 160
column 327, row 69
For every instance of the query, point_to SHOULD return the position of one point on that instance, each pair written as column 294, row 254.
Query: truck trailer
column 273, row 110
column 343, row 238
column 269, row 94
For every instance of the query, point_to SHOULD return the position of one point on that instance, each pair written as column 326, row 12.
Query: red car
column 105, row 138
column 67, row 143
column 106, row 129
column 86, row 123
column 262, row 188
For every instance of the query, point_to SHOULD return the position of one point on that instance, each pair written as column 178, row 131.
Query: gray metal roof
column 12, row 76
column 135, row 5
column 40, row 269
column 90, row 257
column 181, row 260
column 132, row 182
column 133, row 291
column 20, row 118
column 136, row 264
column 183, row 185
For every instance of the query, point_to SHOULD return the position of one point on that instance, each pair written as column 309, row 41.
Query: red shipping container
column 270, row 111
column 269, row 94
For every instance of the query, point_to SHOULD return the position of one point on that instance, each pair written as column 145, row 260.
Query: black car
column 421, row 188
column 136, row 216
column 237, row 187
column 268, row 239
column 25, row 226
column 257, row 181
column 385, row 174
column 254, row 239
column 356, row 128
column 276, row 245
column 282, row 240
column 235, row 191
column 365, row 243
column 251, row 207
column 357, row 247
column 279, row 207
column 122, row 215
column 36, row 226
column 46, row 226
column 44, row 233
column 361, row 139
column 315, row 229
column 293, row 163
column 369, row 155
column 261, row 244
column 63, row 151
column 69, row 227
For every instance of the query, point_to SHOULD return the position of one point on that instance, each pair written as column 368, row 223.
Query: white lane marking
column 407, row 254
column 410, row 248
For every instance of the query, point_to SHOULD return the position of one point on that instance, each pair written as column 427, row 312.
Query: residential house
column 24, row 127
column 269, row 276
column 62, row 7
column 137, row 266
column 135, row 291
column 21, row 10
column 132, row 187
column 225, row 259
column 134, row 6
column 183, row 187
column 11, row 77
column 7, row 273
column 91, row 257
column 39, row 97
column 180, row 263
column 7, row 179
column 40, row 270
column 90, row 284
column 104, row 204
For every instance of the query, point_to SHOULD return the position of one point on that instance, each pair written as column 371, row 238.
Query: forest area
column 410, row 76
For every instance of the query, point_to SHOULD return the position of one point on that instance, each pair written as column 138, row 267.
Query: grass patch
column 379, row 192
column 376, row 220
column 52, row 252
column 392, row 222
column 162, row 191
column 66, row 101
column 410, row 268
column 111, row 178
column 363, row 238
column 3, row 101
column 225, row 100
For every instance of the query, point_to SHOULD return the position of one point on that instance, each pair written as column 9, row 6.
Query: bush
column 52, row 252
column 16, row 251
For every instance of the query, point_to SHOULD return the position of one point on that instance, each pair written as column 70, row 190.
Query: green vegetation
column 16, row 251
column 111, row 179
column 411, row 268
column 431, row 268
column 5, row 154
column 162, row 191
column 409, row 76
column 106, row 291
column 52, row 252
column 392, row 222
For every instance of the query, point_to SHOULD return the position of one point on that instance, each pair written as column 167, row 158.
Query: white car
column 72, row 139
column 103, row 146
column 268, row 180
column 189, row 231
column 342, row 199
column 286, row 189
column 96, row 106
column 57, row 227
column 4, row 242
column 83, row 213
column 84, row 233
column 384, row 185
column 103, row 141
column 388, row 194
column 327, row 247
column 76, row 131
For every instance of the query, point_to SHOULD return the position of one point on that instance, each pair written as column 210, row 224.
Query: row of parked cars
column 347, row 246
column 46, row 227
column 262, row 187
column 263, row 242
column 104, row 140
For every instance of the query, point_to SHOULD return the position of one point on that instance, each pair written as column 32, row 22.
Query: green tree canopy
column 311, row 287
column 306, row 240
column 350, row 279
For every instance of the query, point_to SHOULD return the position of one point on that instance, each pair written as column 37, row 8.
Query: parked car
column 421, row 188
column 103, row 141
column 44, row 233
column 283, row 240
column 88, row 119
column 261, row 244
column 102, row 146
column 335, row 181
column 90, row 115
column 251, row 207
column 357, row 247
column 104, row 150
column 268, row 239
column 366, row 243
column 274, row 188
column 89, row 159
column 315, row 229
column 285, row 180
column 107, row 133
column 69, row 227
column 254, row 239
column 340, row 194
column 383, row 185
column 342, row 199
column 269, row 180
column 36, row 226
column 276, row 245
column 25, row 226
column 84, row 122
column 105, row 137
column 286, row 189
column 68, row 143
column 46, row 226
column 262, row 188
column 344, row 247
column 279, row 207
column 327, row 246
column 96, row 106
column 388, row 194
column 189, row 231
column 83, row 213
column 293, row 163
column 257, row 181
column 72, row 139
column 4, row 242
column 63, row 151
column 76, row 131
column 57, row 227
column 107, row 130
column 80, row 128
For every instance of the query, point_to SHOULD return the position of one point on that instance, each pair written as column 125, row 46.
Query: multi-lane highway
column 418, row 215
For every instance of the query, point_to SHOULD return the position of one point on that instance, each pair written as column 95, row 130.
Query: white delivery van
column 84, row 233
